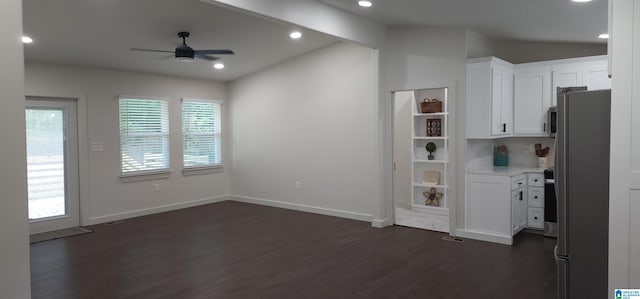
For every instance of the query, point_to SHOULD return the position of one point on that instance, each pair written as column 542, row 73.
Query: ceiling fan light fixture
column 184, row 59
column 365, row 3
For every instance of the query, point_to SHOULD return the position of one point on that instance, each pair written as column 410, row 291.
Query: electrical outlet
column 298, row 185
column 156, row 187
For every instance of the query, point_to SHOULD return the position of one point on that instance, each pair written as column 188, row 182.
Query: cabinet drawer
column 535, row 180
column 536, row 218
column 536, row 197
column 518, row 181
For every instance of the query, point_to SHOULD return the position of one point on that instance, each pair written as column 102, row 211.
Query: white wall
column 421, row 57
column 317, row 16
column 311, row 119
column 624, row 182
column 103, row 196
column 14, row 229
column 523, row 52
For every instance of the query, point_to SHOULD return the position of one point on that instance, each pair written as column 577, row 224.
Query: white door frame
column 72, row 198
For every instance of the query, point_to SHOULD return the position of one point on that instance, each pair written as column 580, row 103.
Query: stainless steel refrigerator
column 582, row 191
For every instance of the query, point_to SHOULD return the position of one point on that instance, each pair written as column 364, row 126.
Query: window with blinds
column 144, row 135
column 201, row 133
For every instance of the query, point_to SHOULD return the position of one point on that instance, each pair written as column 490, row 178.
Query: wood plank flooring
column 238, row 250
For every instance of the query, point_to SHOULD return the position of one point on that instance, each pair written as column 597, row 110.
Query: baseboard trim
column 483, row 236
column 155, row 210
column 302, row 208
column 380, row 223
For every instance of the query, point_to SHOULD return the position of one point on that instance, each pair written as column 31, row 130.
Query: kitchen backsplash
column 480, row 152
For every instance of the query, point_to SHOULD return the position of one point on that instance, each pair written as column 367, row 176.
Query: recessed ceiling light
column 27, row 40
column 295, row 35
column 581, row 1
column 218, row 66
column 604, row 36
column 365, row 3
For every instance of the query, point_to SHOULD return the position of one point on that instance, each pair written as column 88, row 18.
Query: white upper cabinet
column 532, row 100
column 592, row 73
column 489, row 98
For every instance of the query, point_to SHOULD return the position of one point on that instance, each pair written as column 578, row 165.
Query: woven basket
column 430, row 106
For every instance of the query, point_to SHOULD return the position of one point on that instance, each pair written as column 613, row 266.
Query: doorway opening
column 52, row 164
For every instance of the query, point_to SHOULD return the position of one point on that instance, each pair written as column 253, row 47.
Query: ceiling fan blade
column 215, row 52
column 150, row 50
column 206, row 57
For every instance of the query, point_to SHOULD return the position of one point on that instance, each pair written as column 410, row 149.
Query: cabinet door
column 532, row 101
column 518, row 210
column 487, row 206
column 595, row 75
column 565, row 75
column 501, row 101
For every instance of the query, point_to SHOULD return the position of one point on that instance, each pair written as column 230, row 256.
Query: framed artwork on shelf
column 434, row 127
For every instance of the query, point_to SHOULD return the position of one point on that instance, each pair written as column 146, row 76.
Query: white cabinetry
column 592, row 73
column 532, row 99
column 487, row 206
column 495, row 207
column 489, row 98
column 431, row 127
column 535, row 192
column 518, row 203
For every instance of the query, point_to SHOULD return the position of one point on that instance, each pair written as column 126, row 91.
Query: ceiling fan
column 186, row 53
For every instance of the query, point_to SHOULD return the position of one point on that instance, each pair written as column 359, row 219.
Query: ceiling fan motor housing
column 184, row 52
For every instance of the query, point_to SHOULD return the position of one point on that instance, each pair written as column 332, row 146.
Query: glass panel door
column 51, row 164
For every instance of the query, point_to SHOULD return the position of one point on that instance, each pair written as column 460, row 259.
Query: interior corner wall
column 312, row 120
column 14, row 229
column 523, row 52
column 103, row 196
column 478, row 45
column 419, row 56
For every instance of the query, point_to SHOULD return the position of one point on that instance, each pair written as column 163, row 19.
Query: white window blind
column 201, row 133
column 144, row 135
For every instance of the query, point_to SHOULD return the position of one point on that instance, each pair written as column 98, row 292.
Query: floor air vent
column 453, row 239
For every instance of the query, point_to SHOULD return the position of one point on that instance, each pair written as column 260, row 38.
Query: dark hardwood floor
column 237, row 250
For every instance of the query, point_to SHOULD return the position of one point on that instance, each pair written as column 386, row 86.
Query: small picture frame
column 434, row 127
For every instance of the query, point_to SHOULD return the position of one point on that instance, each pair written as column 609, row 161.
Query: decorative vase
column 542, row 162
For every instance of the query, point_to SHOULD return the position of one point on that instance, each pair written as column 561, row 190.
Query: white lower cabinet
column 518, row 210
column 535, row 202
column 497, row 207
column 536, row 218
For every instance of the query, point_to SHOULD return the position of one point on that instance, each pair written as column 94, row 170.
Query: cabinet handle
column 544, row 127
column 536, row 180
column 521, row 196
column 504, row 127
column 536, row 218
column 535, row 197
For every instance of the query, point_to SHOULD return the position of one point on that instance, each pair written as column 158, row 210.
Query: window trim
column 152, row 174
column 209, row 168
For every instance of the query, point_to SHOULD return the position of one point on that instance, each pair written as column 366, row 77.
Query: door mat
column 57, row 234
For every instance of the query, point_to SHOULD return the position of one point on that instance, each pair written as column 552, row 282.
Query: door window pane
column 45, row 163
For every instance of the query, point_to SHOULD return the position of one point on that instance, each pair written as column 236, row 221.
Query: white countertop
column 504, row 170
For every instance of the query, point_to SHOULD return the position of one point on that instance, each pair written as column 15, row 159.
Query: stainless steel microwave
column 552, row 121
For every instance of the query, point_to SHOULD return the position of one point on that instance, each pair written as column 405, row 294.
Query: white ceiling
column 99, row 33
column 522, row 20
